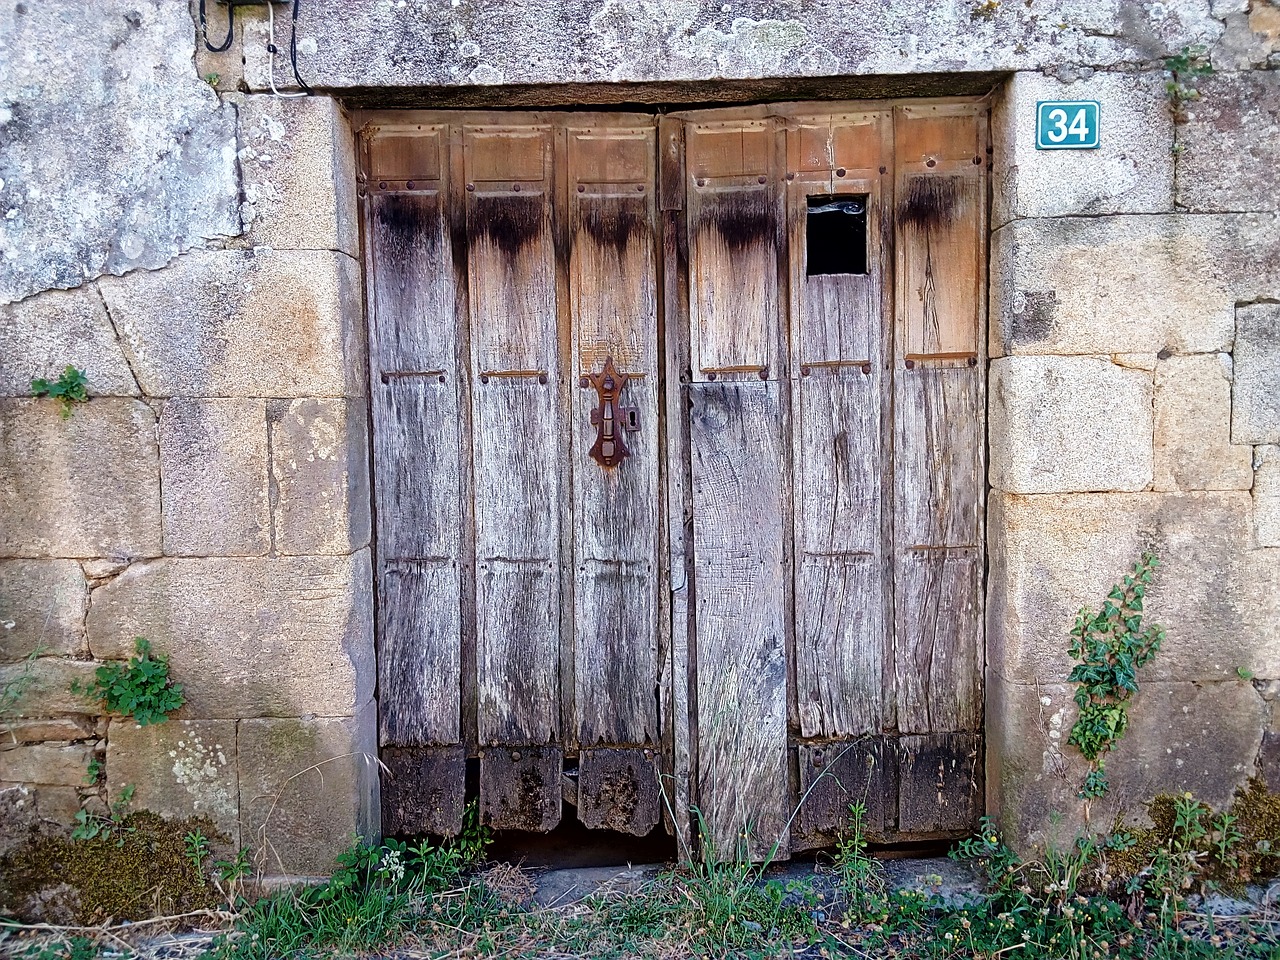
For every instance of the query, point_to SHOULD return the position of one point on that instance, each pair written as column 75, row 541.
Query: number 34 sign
column 1066, row 124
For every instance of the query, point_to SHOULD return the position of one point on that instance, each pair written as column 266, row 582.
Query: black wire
column 293, row 47
column 231, row 26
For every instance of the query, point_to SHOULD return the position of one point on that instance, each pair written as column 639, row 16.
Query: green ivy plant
column 72, row 387
column 140, row 689
column 1109, row 648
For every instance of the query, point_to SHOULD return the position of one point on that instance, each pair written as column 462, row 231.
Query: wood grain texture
column 511, row 270
column 417, row 469
column 517, row 651
column 418, row 653
column 939, row 457
column 738, row 531
column 617, row 669
column 411, row 318
column 613, row 313
column 843, row 648
column 423, row 790
column 836, row 774
column 677, row 676
column 941, row 220
column 840, row 640
column 940, row 785
column 734, row 241
column 520, row 789
column 939, row 632
column 618, row 790
column 939, row 464
column 516, row 433
column 417, row 482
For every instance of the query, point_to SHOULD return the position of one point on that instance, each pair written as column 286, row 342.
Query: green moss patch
column 136, row 871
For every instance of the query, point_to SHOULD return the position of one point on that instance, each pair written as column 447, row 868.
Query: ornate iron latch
column 610, row 418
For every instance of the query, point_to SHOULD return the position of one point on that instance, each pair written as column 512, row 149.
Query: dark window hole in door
column 836, row 235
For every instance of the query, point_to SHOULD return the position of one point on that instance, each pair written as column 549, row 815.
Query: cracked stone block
column 1063, row 424
column 1231, row 142
column 179, row 769
column 1255, row 397
column 1266, row 498
column 87, row 486
column 320, row 463
column 297, row 158
column 248, row 637
column 247, row 324
column 43, row 335
column 1195, row 737
column 108, row 166
column 58, row 764
column 1128, row 284
column 213, row 467
column 1193, row 448
column 1130, row 172
column 1049, row 556
column 42, row 606
column 307, row 786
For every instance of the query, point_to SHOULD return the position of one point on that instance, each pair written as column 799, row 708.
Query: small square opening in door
column 836, row 235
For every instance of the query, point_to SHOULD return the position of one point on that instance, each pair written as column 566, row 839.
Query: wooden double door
column 678, row 431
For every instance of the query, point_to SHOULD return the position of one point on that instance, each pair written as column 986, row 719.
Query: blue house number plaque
column 1067, row 125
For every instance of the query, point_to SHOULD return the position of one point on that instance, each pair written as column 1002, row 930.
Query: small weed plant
column 140, row 689
column 376, row 896
column 69, row 389
column 1109, row 648
column 1185, row 70
column 114, row 823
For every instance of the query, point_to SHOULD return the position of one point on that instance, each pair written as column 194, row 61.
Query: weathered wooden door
column 776, row 596
column 832, row 356
column 508, row 257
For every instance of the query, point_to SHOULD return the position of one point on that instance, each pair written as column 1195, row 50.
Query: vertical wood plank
column 939, row 456
column 678, row 666
column 733, row 249
column 939, row 664
column 415, row 446
column 941, row 220
column 738, row 533
column 516, row 438
column 939, row 462
column 411, row 322
column 414, row 404
column 840, row 335
column 613, row 297
column 418, row 653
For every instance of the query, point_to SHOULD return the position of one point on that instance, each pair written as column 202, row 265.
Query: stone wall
column 1133, row 405
column 213, row 495
column 192, row 242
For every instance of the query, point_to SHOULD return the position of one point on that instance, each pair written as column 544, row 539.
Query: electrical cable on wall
column 272, row 50
column 231, row 28
column 293, row 52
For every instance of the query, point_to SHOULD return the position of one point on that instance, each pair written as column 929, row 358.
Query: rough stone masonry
column 191, row 241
